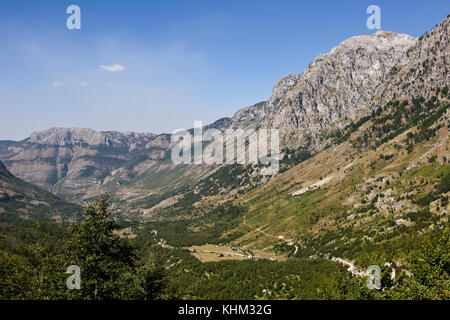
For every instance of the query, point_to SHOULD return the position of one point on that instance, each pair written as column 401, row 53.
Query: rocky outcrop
column 355, row 77
column 425, row 68
column 336, row 88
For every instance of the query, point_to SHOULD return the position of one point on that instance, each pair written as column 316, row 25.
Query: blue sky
column 168, row 63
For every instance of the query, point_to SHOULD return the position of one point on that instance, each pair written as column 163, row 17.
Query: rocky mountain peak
column 73, row 136
column 336, row 88
column 67, row 136
column 425, row 67
column 379, row 40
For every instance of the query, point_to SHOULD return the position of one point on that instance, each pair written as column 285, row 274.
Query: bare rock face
column 250, row 117
column 425, row 68
column 76, row 162
column 355, row 77
column 78, row 136
column 335, row 89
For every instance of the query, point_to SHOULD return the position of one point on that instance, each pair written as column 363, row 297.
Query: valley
column 364, row 180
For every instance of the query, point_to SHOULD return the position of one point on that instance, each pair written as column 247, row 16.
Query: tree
column 431, row 273
column 33, row 270
column 107, row 262
column 14, row 279
column 44, row 268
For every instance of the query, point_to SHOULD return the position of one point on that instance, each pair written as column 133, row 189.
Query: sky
column 159, row 65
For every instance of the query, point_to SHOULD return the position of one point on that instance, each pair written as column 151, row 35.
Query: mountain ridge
column 310, row 109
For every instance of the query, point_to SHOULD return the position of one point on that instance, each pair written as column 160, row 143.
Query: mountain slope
column 364, row 194
column 350, row 81
column 425, row 69
column 335, row 89
column 381, row 185
column 20, row 199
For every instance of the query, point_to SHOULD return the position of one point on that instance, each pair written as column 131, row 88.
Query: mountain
column 21, row 199
column 312, row 110
column 335, row 89
column 374, row 189
column 386, row 180
column 81, row 136
column 425, row 68
column 350, row 81
column 380, row 186
column 320, row 107
column 75, row 162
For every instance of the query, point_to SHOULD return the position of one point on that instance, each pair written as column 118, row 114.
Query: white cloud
column 113, row 68
column 82, row 83
column 57, row 84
